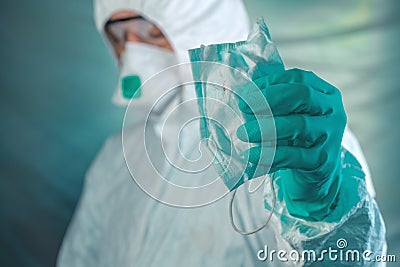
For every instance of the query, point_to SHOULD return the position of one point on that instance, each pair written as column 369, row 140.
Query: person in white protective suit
column 117, row 224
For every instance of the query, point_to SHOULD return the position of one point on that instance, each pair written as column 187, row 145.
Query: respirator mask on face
column 138, row 63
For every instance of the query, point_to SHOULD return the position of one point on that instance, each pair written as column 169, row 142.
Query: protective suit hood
column 186, row 23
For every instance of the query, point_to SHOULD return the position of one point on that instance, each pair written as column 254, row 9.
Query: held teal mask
column 222, row 70
column 225, row 68
column 138, row 63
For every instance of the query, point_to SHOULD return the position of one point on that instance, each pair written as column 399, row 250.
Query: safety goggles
column 145, row 31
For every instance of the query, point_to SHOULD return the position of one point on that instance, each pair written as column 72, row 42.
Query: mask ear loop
column 268, row 217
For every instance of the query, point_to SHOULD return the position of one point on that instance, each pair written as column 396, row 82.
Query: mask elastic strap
column 268, row 217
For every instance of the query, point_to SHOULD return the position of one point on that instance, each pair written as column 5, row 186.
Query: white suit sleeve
column 356, row 218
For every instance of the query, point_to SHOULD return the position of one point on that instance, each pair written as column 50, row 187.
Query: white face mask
column 138, row 63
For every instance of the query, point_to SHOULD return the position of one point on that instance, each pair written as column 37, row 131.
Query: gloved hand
column 309, row 119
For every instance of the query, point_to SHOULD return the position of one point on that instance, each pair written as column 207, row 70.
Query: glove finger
column 252, row 100
column 299, row 76
column 284, row 99
column 285, row 157
column 257, row 129
column 309, row 129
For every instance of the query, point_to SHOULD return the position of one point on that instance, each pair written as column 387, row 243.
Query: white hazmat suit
column 117, row 224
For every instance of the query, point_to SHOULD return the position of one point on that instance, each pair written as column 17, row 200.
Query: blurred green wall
column 56, row 80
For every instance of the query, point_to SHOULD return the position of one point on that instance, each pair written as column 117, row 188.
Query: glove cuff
column 311, row 201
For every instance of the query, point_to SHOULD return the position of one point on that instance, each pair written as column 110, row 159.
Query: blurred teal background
column 57, row 78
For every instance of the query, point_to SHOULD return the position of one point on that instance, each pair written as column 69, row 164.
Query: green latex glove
column 309, row 119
